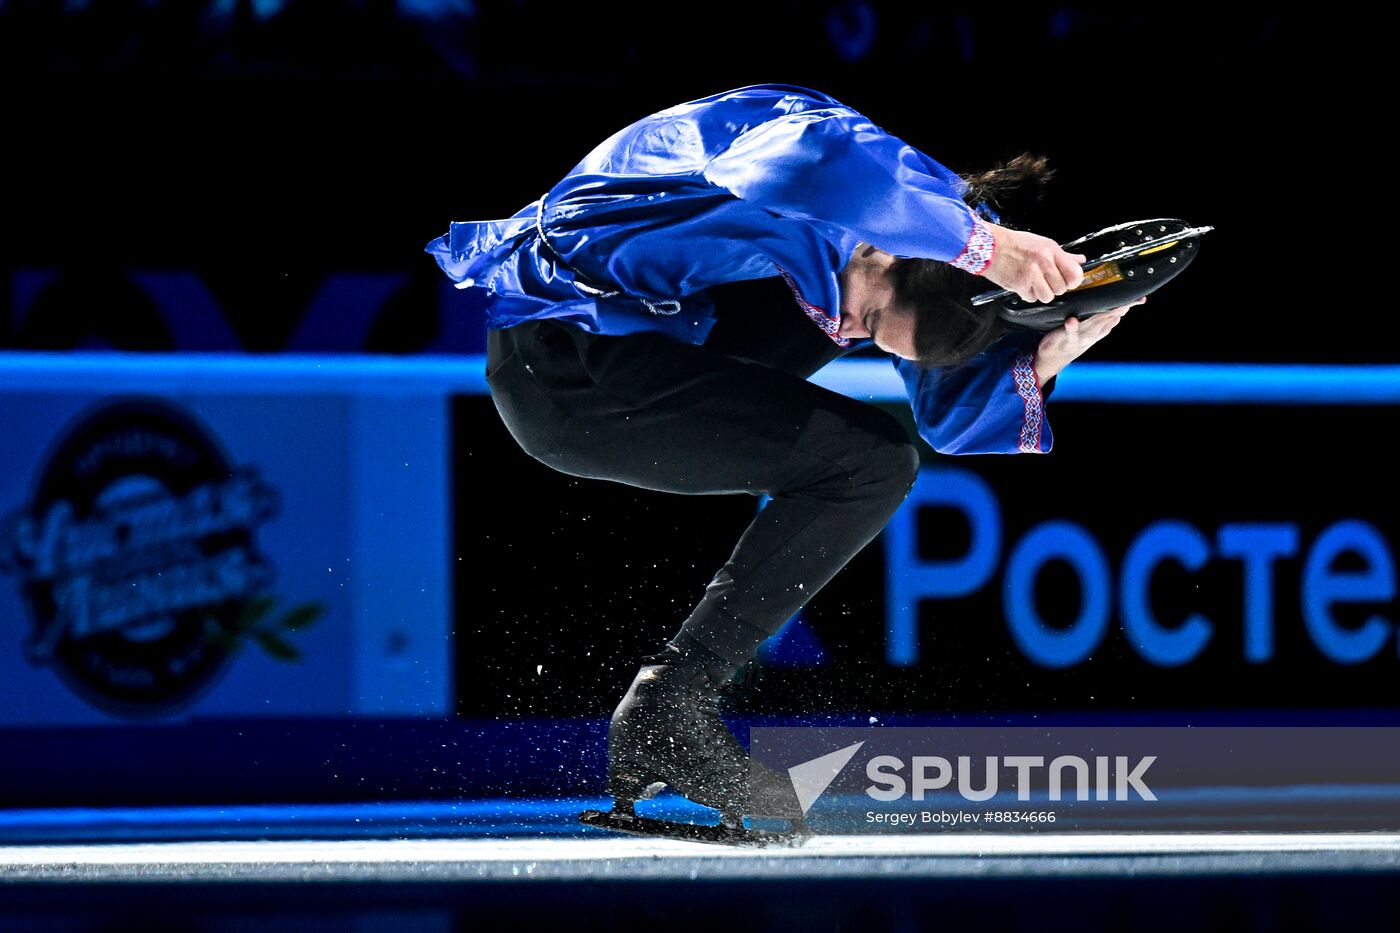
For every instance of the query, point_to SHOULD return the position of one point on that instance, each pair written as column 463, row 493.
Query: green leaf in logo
column 274, row 645
column 299, row 617
column 253, row 610
column 214, row 631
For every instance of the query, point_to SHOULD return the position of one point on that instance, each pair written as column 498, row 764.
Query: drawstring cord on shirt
column 593, row 291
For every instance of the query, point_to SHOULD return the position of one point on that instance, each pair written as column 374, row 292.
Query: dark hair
column 948, row 330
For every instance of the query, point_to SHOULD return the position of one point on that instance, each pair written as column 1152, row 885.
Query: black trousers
column 735, row 415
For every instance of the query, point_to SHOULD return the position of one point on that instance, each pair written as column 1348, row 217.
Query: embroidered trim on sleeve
column 1024, row 372
column 981, row 246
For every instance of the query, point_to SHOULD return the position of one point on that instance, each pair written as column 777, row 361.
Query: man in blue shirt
column 653, row 319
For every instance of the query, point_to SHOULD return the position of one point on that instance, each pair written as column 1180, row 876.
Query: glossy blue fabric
column 750, row 183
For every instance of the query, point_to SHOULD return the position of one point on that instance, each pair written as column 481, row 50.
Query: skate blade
column 689, row 832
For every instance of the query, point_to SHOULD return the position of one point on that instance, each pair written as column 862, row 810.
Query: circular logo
column 136, row 556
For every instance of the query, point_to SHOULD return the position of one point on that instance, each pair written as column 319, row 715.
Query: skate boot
column 668, row 731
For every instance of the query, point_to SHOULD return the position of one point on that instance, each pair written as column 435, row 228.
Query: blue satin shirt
column 758, row 181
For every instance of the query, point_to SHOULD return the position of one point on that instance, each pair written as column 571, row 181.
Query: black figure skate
column 667, row 731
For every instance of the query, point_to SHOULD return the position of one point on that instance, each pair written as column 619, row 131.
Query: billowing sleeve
column 989, row 405
column 834, row 166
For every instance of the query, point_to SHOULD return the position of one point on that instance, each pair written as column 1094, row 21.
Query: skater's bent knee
column 895, row 465
column 879, row 468
column 877, row 459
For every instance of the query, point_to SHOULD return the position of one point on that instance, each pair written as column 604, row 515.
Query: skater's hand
column 1034, row 267
column 1068, row 341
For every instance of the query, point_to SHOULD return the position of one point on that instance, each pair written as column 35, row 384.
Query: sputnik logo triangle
column 810, row 779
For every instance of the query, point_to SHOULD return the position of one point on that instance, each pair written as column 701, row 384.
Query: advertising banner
column 219, row 543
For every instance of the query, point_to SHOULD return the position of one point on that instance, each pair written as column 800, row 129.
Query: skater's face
column 868, row 309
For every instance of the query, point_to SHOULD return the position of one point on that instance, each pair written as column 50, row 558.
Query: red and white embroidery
column 1024, row 373
column 828, row 326
column 981, row 246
